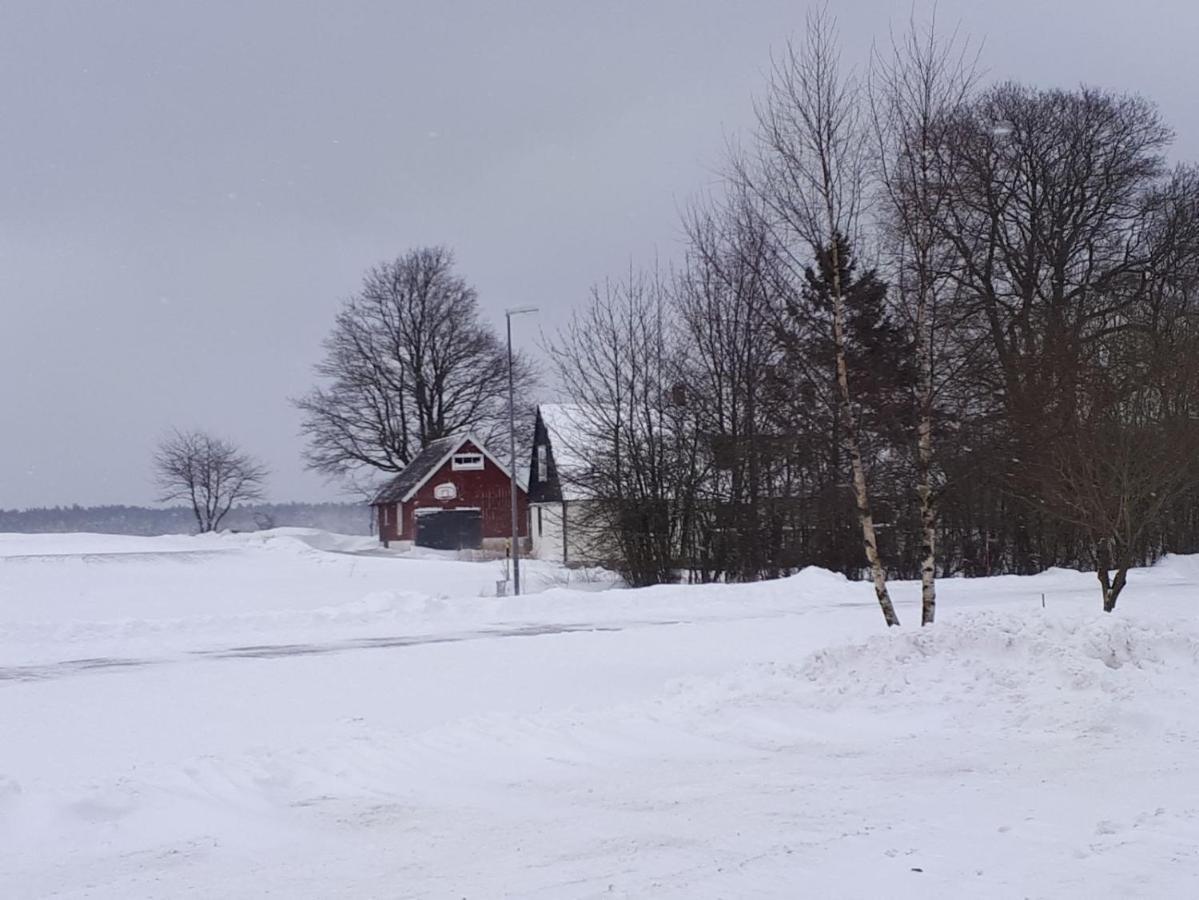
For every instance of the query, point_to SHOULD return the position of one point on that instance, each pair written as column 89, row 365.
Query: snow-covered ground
column 294, row 714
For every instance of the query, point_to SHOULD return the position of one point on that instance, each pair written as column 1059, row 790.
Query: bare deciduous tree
column 808, row 174
column 1115, row 467
column 1007, row 327
column 617, row 361
column 1115, row 470
column 1049, row 204
column 408, row 362
column 209, row 473
column 745, row 522
column 1068, row 231
column 914, row 95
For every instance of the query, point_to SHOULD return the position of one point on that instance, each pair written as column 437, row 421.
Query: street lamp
column 515, row 541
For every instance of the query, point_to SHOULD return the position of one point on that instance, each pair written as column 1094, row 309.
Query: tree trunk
column 853, row 448
column 1111, row 587
column 924, row 486
column 1109, row 603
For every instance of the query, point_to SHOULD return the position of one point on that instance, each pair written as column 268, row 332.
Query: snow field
column 725, row 741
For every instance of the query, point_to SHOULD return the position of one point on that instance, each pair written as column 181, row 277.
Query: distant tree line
column 926, row 328
column 343, row 518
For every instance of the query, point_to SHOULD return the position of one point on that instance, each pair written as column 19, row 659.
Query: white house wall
column 547, row 530
column 585, row 538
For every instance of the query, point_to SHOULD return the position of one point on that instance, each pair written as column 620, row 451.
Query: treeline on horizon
column 342, row 518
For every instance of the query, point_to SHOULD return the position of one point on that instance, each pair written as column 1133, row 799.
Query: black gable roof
column 422, row 464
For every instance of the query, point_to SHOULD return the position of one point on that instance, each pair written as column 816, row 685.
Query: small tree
column 209, row 473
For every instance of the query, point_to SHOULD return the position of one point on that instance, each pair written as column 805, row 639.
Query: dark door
column 450, row 529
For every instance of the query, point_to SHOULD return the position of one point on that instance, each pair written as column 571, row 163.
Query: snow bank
column 300, row 538
column 1039, row 677
column 996, row 675
column 1057, row 652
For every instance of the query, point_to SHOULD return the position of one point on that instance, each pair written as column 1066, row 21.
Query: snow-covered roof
column 566, row 427
column 579, row 434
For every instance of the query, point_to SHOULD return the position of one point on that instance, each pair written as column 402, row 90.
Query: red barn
column 452, row 496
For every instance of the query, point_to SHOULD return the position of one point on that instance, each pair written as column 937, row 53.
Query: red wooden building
column 453, row 495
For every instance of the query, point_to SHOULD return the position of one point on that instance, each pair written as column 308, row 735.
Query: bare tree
column 408, row 362
column 914, row 94
column 616, row 362
column 1049, row 206
column 1069, row 234
column 1115, row 467
column 1115, row 470
column 808, row 174
column 745, row 525
column 209, row 473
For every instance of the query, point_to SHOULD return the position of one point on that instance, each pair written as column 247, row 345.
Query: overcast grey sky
column 188, row 190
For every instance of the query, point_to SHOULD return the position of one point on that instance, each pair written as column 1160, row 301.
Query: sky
column 188, row 191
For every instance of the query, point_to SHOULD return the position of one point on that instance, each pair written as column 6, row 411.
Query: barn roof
column 434, row 455
column 423, row 464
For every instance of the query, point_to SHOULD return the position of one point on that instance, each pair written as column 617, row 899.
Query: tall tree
column 808, row 173
column 1114, row 468
column 745, row 526
column 878, row 361
column 915, row 91
column 1065, row 224
column 408, row 361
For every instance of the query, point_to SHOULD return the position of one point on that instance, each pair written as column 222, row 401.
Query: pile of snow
column 1002, row 650
column 312, row 538
column 1035, row 672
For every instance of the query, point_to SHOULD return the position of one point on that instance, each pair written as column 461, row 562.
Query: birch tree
column 914, row 92
column 808, row 173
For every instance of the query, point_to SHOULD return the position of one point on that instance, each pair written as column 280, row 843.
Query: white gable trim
column 433, row 470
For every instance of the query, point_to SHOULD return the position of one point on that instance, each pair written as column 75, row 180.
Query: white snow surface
column 299, row 714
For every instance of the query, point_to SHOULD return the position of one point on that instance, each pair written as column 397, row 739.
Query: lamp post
column 515, row 540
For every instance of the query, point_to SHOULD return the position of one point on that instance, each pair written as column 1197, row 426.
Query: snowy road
column 275, row 651
column 297, row 727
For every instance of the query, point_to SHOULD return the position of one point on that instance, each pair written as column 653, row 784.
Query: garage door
column 449, row 529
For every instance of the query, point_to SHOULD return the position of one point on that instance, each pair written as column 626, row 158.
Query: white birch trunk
column 924, row 464
column 853, row 448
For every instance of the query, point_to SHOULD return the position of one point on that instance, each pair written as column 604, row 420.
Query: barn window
column 542, row 463
column 467, row 461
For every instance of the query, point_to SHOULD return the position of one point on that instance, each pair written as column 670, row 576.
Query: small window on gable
column 542, row 463
column 465, row 462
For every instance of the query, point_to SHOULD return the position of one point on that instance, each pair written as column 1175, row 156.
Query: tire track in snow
column 67, row 667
